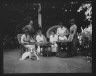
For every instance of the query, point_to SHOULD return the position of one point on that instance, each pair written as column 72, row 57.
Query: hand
column 32, row 41
column 41, row 41
column 26, row 42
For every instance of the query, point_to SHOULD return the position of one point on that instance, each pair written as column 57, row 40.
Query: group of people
column 32, row 50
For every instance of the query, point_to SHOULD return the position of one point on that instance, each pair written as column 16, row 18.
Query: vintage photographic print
column 47, row 36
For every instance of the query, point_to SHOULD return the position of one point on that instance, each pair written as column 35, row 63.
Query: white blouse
column 39, row 38
column 53, row 38
column 61, row 31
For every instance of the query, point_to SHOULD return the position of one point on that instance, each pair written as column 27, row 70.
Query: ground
column 12, row 64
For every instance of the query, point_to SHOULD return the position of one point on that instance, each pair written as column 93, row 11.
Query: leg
column 25, row 55
column 30, row 55
column 21, row 49
column 41, row 51
column 35, row 54
column 38, row 50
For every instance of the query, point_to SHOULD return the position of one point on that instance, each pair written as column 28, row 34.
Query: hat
column 60, row 23
column 72, row 20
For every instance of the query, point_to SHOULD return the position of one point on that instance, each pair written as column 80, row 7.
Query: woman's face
column 40, row 32
column 72, row 23
column 52, row 33
column 26, row 33
column 60, row 25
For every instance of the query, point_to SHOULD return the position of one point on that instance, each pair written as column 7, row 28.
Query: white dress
column 61, row 32
column 53, row 39
column 39, row 39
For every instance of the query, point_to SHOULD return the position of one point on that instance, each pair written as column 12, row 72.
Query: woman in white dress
column 40, row 38
column 61, row 32
column 53, row 39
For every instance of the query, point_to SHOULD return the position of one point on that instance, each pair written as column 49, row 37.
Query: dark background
column 16, row 15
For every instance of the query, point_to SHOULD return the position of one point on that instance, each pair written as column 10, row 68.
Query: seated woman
column 26, row 39
column 40, row 38
column 53, row 39
column 62, row 32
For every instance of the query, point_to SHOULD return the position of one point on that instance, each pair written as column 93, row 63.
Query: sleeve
column 64, row 29
column 22, row 39
column 24, row 28
column 51, row 39
column 27, row 27
column 56, row 37
column 57, row 31
column 37, row 38
column 73, row 29
column 44, row 39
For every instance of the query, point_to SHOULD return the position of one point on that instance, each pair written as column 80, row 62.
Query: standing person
column 29, row 27
column 73, row 27
column 61, row 32
column 53, row 39
column 73, row 36
column 73, row 30
column 40, row 38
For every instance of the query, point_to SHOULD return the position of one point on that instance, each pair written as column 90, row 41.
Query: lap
column 29, row 46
